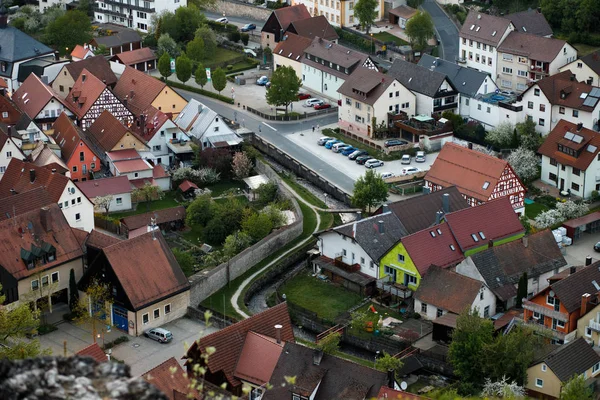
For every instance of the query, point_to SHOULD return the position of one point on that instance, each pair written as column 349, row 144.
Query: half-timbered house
column 89, row 97
column 478, row 176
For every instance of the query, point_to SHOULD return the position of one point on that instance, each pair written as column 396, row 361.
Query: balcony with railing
column 389, row 286
column 594, row 325
column 545, row 311
column 133, row 5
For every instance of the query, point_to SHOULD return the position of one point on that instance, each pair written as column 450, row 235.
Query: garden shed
column 588, row 223
column 253, row 183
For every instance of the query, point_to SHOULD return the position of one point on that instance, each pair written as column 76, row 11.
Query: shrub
column 595, row 195
column 200, row 91
column 46, row 328
column 230, row 67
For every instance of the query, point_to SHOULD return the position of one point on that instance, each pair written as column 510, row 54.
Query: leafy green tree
column 267, row 193
column 93, row 308
column 209, row 37
column 200, row 211
column 414, row 3
column 501, row 136
column 257, row 226
column 529, row 138
column 234, row 36
column 185, row 260
column 330, row 344
column 284, row 87
column 227, row 219
column 369, row 190
column 522, row 289
column 67, row 31
column 195, row 49
column 215, row 232
column 576, row 389
column 200, row 76
column 235, row 243
column 164, row 65
column 455, row 119
column 73, row 291
column 166, row 44
column 183, row 23
column 469, row 341
column 268, row 53
column 101, row 50
column 419, row 30
column 388, row 362
column 245, row 38
column 87, row 7
column 147, row 193
column 183, row 68
column 219, row 80
column 365, row 11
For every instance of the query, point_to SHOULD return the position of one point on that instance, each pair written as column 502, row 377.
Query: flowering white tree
column 503, row 389
column 198, row 176
column 104, row 202
column 241, row 165
column 525, row 163
column 501, row 136
column 548, row 218
column 569, row 209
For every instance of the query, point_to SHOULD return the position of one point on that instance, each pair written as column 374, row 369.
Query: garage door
column 120, row 318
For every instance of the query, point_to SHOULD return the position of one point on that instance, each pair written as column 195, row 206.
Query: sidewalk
column 77, row 337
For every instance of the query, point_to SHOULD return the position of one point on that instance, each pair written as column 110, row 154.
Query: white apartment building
column 338, row 13
column 586, row 69
column 134, row 14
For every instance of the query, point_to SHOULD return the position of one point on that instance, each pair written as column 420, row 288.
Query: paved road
column 239, row 21
column 277, row 134
column 446, row 30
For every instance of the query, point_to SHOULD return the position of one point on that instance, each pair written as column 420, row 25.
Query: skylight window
column 494, row 33
column 452, row 247
column 472, row 27
column 439, row 231
column 478, row 28
column 432, row 233
column 475, row 238
column 486, row 185
column 481, row 235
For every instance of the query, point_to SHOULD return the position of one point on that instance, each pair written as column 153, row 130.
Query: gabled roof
column 106, row 131
column 169, row 377
column 22, row 203
column 161, row 276
column 287, row 15
column 118, row 38
column 57, row 234
column 127, row 166
column 68, row 136
column 105, row 187
column 404, row 11
column 230, row 340
column 491, row 221
column 474, row 173
column 484, row 28
column 587, row 148
column 258, row 358
column 86, row 90
column 448, row 290
column 80, row 52
column 562, row 89
column 94, row 351
column 419, row 212
column 366, row 85
column 187, row 185
column 366, row 232
column 417, row 78
column 292, row 46
column 433, row 246
column 466, row 80
column 190, row 112
column 592, row 60
column 17, row 177
column 537, row 48
column 43, row 155
column 570, row 289
column 99, row 240
column 502, row 266
column 33, row 95
column 97, row 66
column 138, row 89
column 7, row 105
column 165, row 215
column 332, row 379
column 335, row 53
column 133, row 57
column 153, row 120
column 571, row 359
column 530, row 21
column 313, row 26
column 17, row 45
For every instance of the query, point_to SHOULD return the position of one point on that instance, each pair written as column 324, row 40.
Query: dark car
column 322, row 106
column 248, row 28
column 361, row 160
column 357, row 154
column 597, row 246
column 394, row 142
column 303, row 96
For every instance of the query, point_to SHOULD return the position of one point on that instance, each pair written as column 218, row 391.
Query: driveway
column 446, row 30
column 581, row 248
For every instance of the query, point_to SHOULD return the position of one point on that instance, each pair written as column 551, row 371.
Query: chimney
column 585, row 300
column 317, row 356
column 125, row 101
column 579, row 126
column 131, row 93
column 143, row 124
column 10, row 130
column 85, row 46
column 278, row 333
column 391, row 378
column 438, row 217
column 588, row 261
column 446, row 203
column 380, row 227
column 45, row 219
column 470, row 146
column 525, row 240
column 83, row 77
column 31, row 175
column 572, row 270
column 385, row 208
column 3, row 17
column 490, row 244
column 56, row 56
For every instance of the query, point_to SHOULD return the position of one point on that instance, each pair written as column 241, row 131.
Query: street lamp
column 372, row 44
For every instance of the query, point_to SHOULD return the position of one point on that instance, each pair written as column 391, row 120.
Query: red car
column 322, row 106
column 303, row 96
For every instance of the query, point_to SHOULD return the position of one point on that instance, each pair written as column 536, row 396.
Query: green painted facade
column 403, row 269
column 495, row 243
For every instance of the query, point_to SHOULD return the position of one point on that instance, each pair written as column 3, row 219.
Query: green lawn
column 388, row 37
column 532, row 210
column 221, row 56
column 167, row 201
column 323, row 298
column 217, row 189
column 585, row 49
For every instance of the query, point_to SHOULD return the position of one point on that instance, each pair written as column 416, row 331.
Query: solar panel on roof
column 590, row 101
column 569, row 135
column 591, row 148
column 595, row 92
column 577, row 139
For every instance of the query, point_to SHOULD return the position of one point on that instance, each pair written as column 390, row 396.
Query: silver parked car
column 159, row 334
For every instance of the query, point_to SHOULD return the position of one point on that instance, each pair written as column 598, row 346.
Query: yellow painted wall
column 65, row 80
column 584, row 321
column 129, row 141
column 391, row 260
column 551, row 384
column 179, row 305
column 169, row 101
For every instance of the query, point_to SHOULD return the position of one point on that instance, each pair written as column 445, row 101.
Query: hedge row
column 201, row 91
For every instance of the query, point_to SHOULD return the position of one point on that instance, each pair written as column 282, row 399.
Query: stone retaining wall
column 241, row 9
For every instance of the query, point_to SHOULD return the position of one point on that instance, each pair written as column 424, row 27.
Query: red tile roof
column 33, row 95
column 126, row 166
column 495, row 220
column 293, row 47
column 586, row 219
column 314, row 26
column 133, row 57
column 448, row 290
column 140, row 183
column 258, row 347
column 433, row 246
column 187, row 185
column 287, row 15
column 468, row 170
column 86, row 90
column 158, row 171
column 154, row 119
column 229, row 341
column 161, row 276
column 105, row 186
column 385, row 393
column 168, row 377
column 536, row 48
column 165, row 215
column 107, row 130
column 138, row 88
column 7, row 105
column 588, row 148
column 16, row 204
column 95, row 352
column 17, row 237
column 79, row 51
column 17, row 177
column 68, row 136
column 562, row 89
column 99, row 240
column 125, row 154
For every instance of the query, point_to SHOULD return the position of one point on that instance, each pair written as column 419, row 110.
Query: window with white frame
column 588, row 331
column 506, row 70
column 401, row 258
column 145, row 318
column 156, row 313
column 522, row 73
column 596, row 368
column 439, row 312
column 424, row 307
column 507, row 57
column 539, row 382
column 119, row 200
column 35, row 284
column 560, row 324
column 544, row 368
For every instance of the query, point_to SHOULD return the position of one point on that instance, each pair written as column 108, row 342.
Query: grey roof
column 570, row 289
column 188, row 114
column 592, row 60
column 530, row 21
column 121, row 37
column 503, row 265
column 17, row 45
column 466, row 80
column 417, row 78
column 573, row 358
column 418, row 213
column 334, row 378
column 367, row 235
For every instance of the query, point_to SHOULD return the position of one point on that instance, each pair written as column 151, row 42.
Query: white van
column 386, row 175
column 336, row 146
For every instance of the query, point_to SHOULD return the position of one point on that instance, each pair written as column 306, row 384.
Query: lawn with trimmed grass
column 221, row 56
column 327, row 300
column 388, row 37
column 217, row 189
column 168, row 201
column 585, row 49
column 532, row 210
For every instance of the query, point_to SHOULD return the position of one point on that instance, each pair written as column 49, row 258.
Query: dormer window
column 475, row 238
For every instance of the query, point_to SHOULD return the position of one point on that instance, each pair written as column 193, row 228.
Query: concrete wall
column 205, row 283
column 240, row 9
column 179, row 305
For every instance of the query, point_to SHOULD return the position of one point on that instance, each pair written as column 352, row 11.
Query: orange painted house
column 556, row 309
column 76, row 152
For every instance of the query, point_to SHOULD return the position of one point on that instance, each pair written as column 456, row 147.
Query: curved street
column 447, row 32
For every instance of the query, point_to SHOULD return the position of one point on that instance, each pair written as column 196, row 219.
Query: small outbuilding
column 589, row 223
column 401, row 15
column 187, row 188
column 253, row 183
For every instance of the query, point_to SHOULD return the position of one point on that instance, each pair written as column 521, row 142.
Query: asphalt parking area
column 581, row 248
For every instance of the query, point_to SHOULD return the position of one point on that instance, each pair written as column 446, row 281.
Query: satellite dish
column 403, row 385
column 551, row 293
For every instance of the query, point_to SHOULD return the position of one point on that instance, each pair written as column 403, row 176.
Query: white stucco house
column 10, row 147
column 118, row 187
column 289, row 52
column 586, row 68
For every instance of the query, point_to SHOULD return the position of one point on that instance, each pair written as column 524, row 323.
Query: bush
column 119, row 340
column 201, row 91
column 595, row 195
column 230, row 67
column 46, row 328
column 234, row 36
